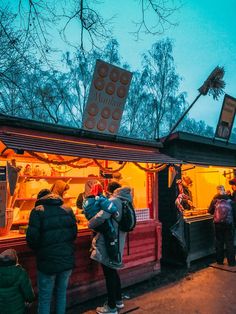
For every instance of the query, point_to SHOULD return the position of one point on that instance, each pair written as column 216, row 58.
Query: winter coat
column 15, row 289
column 92, row 205
column 51, row 234
column 211, row 208
column 79, row 201
column 98, row 250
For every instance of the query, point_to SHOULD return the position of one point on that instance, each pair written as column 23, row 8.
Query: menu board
column 226, row 119
column 107, row 96
column 3, row 196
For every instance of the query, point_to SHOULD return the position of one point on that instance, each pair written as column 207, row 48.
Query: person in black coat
column 51, row 235
column 224, row 232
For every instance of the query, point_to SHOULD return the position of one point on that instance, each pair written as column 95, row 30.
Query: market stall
column 33, row 155
column 206, row 164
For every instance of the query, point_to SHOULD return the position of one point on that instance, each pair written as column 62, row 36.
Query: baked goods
column 93, row 109
column 121, row 91
column 90, row 123
column 106, row 112
column 113, row 127
column 103, row 70
column 125, row 78
column 102, row 124
column 99, row 83
column 116, row 114
column 110, row 88
column 114, row 75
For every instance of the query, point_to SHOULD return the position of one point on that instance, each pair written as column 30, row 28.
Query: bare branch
column 155, row 17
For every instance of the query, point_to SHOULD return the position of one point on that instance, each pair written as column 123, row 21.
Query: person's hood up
column 59, row 187
column 8, row 257
column 221, row 196
column 49, row 199
column 123, row 193
column 9, row 275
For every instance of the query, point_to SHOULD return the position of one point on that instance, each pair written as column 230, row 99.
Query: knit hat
column 8, row 255
column 59, row 187
column 43, row 193
column 89, row 185
column 96, row 189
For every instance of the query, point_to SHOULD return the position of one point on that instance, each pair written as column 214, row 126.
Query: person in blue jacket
column 92, row 204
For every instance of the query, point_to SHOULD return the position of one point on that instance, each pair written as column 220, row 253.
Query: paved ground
column 200, row 290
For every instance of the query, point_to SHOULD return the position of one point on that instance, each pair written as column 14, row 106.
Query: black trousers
column 224, row 238
column 113, row 285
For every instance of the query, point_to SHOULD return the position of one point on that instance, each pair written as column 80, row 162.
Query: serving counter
column 35, row 155
column 141, row 258
column 199, row 235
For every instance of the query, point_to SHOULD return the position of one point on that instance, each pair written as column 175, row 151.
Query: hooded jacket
column 15, row 286
column 218, row 196
column 51, row 234
column 98, row 250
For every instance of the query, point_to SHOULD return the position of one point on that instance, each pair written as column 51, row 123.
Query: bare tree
column 160, row 82
column 156, row 16
column 38, row 20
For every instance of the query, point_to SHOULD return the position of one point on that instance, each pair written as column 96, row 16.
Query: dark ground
column 165, row 292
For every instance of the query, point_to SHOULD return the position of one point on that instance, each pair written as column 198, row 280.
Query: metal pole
column 181, row 118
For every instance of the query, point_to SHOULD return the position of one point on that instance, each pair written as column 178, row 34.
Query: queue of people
column 51, row 234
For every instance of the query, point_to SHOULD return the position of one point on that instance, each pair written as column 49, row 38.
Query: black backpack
column 223, row 212
column 128, row 217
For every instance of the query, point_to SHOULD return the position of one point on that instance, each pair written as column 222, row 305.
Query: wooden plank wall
column 141, row 258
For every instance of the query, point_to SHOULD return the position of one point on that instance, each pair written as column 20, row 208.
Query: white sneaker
column 105, row 309
column 120, row 304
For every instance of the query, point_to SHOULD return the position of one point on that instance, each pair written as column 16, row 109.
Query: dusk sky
column 204, row 38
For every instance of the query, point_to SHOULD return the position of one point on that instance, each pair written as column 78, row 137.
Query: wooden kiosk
column 43, row 153
column 207, row 163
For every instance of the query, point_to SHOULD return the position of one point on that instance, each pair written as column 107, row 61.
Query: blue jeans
column 46, row 284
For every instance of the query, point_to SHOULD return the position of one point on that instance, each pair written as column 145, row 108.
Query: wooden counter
column 141, row 257
column 199, row 233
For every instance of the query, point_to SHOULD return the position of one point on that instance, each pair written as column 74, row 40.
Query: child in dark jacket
column 15, row 285
column 94, row 203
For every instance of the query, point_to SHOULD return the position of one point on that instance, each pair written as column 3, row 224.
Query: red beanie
column 96, row 189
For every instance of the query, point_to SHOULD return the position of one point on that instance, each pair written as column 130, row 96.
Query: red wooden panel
column 87, row 278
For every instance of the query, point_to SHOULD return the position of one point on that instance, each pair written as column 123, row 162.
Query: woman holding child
column 99, row 252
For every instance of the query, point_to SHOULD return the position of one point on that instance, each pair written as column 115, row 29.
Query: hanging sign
column 226, row 120
column 107, row 96
column 3, row 196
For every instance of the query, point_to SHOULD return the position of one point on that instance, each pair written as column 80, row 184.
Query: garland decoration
column 72, row 163
column 54, row 162
column 152, row 170
column 107, row 169
column 58, row 169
